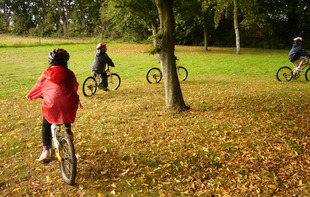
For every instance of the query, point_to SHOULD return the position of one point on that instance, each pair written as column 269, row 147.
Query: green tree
column 191, row 17
column 142, row 10
column 248, row 13
column 223, row 7
column 120, row 22
column 64, row 9
column 21, row 17
column 286, row 19
column 5, row 15
column 206, row 7
column 188, row 17
column 85, row 17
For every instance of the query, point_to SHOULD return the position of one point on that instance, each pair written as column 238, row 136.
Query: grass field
column 246, row 134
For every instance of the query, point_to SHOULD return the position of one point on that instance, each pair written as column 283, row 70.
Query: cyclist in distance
column 99, row 64
column 59, row 87
column 298, row 55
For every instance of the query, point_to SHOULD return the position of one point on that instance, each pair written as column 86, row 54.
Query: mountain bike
column 65, row 154
column 154, row 75
column 91, row 84
column 285, row 73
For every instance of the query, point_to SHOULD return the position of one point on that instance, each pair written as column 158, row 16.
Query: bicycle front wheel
column 89, row 86
column 114, row 81
column 285, row 74
column 68, row 160
column 154, row 75
column 182, row 73
column 307, row 74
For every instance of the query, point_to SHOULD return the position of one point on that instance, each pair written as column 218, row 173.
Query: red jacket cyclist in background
column 59, row 87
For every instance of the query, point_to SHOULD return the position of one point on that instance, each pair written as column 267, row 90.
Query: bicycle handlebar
column 108, row 67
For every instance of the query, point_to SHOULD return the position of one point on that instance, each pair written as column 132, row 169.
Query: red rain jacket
column 59, row 87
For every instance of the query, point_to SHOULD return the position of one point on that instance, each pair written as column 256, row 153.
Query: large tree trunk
column 154, row 30
column 236, row 26
column 174, row 98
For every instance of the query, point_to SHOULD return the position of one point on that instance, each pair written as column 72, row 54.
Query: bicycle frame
column 296, row 73
column 55, row 131
column 98, row 76
column 305, row 65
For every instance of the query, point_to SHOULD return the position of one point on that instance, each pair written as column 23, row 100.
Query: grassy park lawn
column 245, row 133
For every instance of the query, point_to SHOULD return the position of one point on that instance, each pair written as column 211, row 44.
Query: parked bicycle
column 285, row 73
column 91, row 84
column 154, row 75
column 65, row 154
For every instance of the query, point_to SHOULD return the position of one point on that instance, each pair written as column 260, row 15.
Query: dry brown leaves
column 240, row 139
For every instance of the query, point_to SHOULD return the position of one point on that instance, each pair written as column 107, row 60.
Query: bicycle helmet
column 58, row 55
column 298, row 39
column 101, row 44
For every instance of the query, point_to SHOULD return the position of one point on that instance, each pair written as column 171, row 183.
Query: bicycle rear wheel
column 154, row 75
column 89, row 86
column 182, row 73
column 285, row 74
column 68, row 160
column 114, row 81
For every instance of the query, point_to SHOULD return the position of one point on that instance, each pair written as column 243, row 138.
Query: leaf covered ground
column 243, row 136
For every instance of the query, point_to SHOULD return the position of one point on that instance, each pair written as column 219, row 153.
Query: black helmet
column 58, row 56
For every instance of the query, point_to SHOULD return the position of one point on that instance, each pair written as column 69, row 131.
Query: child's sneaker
column 45, row 157
column 105, row 89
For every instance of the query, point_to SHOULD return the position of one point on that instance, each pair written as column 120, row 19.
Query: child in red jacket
column 59, row 87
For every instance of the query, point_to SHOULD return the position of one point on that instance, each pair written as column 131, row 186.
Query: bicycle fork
column 55, row 131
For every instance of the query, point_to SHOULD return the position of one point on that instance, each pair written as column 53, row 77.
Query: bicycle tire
column 89, row 86
column 114, row 81
column 307, row 74
column 68, row 160
column 284, row 73
column 154, row 75
column 182, row 73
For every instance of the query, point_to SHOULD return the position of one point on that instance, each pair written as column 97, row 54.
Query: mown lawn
column 246, row 134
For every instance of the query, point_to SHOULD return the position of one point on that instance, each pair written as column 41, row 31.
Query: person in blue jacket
column 100, row 62
column 298, row 55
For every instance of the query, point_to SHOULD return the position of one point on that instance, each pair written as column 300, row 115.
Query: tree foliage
column 122, row 23
column 264, row 24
